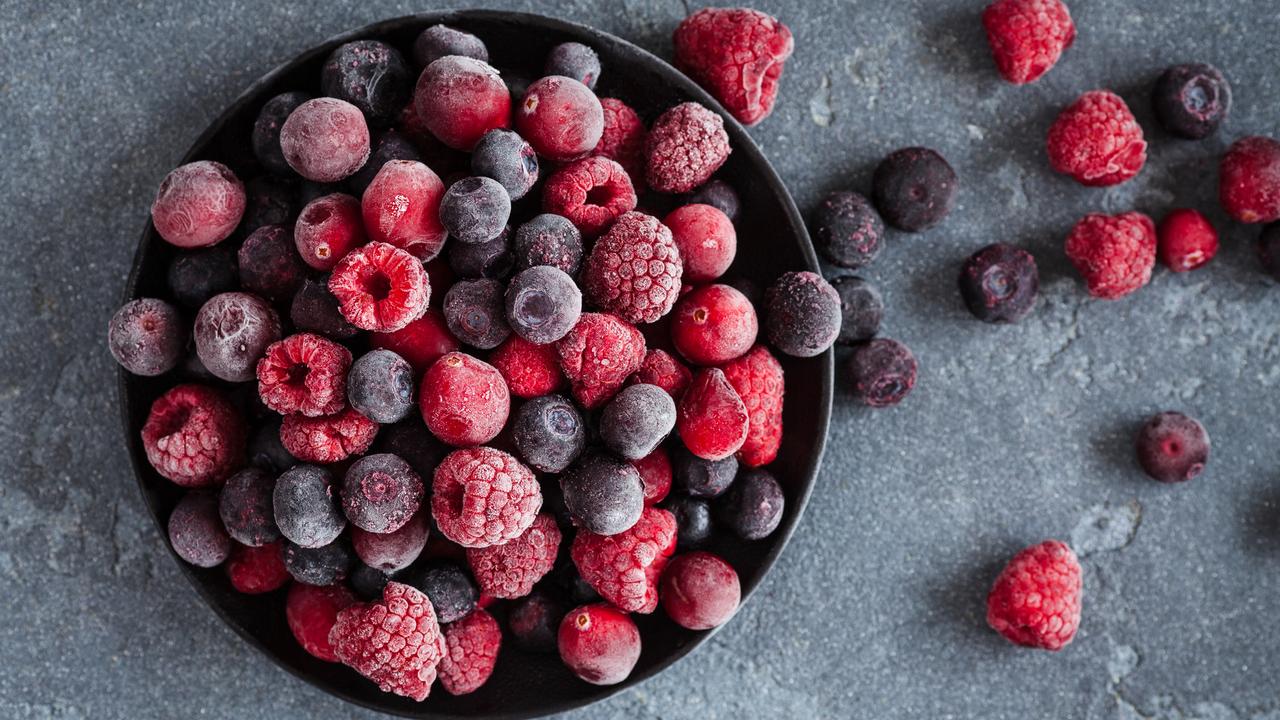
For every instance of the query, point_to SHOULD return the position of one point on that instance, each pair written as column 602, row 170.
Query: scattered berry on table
column 700, row 591
column 257, row 570
column 1035, row 602
column 265, row 137
column 471, row 652
column 1000, row 283
column 598, row 356
column 706, row 239
column 737, row 54
column 1097, row 141
column 269, row 200
column 599, row 643
column 637, row 420
column 193, row 436
column 1113, row 253
column 474, row 311
column 543, row 304
column 1249, row 180
column 757, row 378
column 718, row 194
column 712, row 419
column 507, row 158
column 753, row 507
column 482, row 497
column 306, row 506
column 245, row 505
column 475, row 209
column 802, row 314
column 622, row 138
column 560, row 117
column 315, row 309
column 914, row 188
column 1191, row 100
column 464, row 400
column 881, row 372
column 534, row 620
column 325, row 139
column 452, row 593
column 861, row 309
column 368, row 583
column 327, row 229
column 548, row 239
column 266, row 452
column 604, row 495
column 549, row 433
column 655, row 475
column 1269, row 250
column 147, row 337
column 713, row 324
column 311, row 611
column 439, row 40
column 196, row 531
column 269, row 263
column 634, row 269
column 198, row 204
column 574, row 60
column 661, row 369
column 389, row 145
column 380, row 287
column 685, row 146
column 380, row 386
column 592, row 193
column 625, row 567
column 198, row 275
column 1027, row 36
column 328, row 439
column 396, row 642
column 1186, row 240
column 693, row 521
column 702, row 478
column 1173, row 447
column 304, row 373
column 421, row 342
column 460, row 99
column 530, row 370
column 848, row 230
column 324, row 565
column 392, row 551
column 510, row 570
column 380, row 493
column 369, row 74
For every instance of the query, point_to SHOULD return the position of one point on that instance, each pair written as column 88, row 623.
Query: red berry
column 757, row 377
column 401, row 207
column 1173, row 447
column 421, row 342
column 634, row 270
column 460, row 99
column 591, row 192
column 396, row 643
column 598, row 355
column 685, row 146
column 380, row 287
column 1036, row 600
column 256, row 570
column 713, row 325
column 530, row 370
column 1187, row 240
column 1114, row 253
column 622, row 139
column 560, row 117
column 147, row 337
column 193, row 436
column 661, row 369
column 393, row 551
column 464, row 400
column 311, row 611
column 655, row 475
column 198, row 204
column 327, row 229
column 482, row 497
column 737, row 54
column 599, row 643
column 624, row 568
column 1097, row 141
column 700, row 591
column 712, row 419
column 471, row 651
column 306, row 374
column 325, row 139
column 1027, row 36
column 1249, row 180
column 706, row 239
column 328, row 439
column 509, row 571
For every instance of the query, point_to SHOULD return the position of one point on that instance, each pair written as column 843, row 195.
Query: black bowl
column 771, row 239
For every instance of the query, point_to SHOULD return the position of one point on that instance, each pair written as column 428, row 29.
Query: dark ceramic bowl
column 771, row 239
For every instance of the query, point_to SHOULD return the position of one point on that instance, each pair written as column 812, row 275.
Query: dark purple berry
column 701, row 478
column 1191, row 100
column 306, row 506
column 475, row 209
column 389, row 146
column 719, row 195
column 267, row 452
column 848, row 230
column 196, row 532
column 368, row 582
column 269, row 263
column 753, row 508
column 548, row 433
column 914, row 188
column 488, row 259
column 505, row 156
column 315, row 309
column 802, row 314
column 861, row 309
column 603, row 494
column 749, row 289
column 574, row 60
column 371, row 75
column 451, row 590
column 380, row 493
column 380, row 387
column 309, row 190
column 882, row 372
column 1269, row 249
column 1173, row 447
column 414, row 444
column 548, row 239
column 232, row 332
column 439, row 40
column 245, row 505
column 637, row 420
column 543, row 304
column 693, row 521
column 269, row 200
column 534, row 621
column 266, row 131
column 1000, row 283
column 198, row 275
column 147, row 336
column 473, row 310
column 324, row 565
column 579, row 591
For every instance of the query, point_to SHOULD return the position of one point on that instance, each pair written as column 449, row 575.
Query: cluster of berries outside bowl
column 771, row 239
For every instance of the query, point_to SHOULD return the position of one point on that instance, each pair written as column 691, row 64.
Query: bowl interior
column 771, row 240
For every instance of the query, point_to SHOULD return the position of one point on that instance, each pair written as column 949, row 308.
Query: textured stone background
column 876, row 610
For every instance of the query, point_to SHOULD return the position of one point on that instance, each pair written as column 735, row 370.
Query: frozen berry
column 471, row 652
column 196, row 276
column 506, row 157
column 196, row 532
column 266, row 452
column 380, row 386
column 598, row 356
column 193, row 436
column 603, row 494
column 701, row 478
column 1097, row 141
column 737, row 54
column 861, row 309
column 848, row 230
column 475, row 209
column 634, row 270
column 510, row 570
column 232, row 332
column 1186, row 240
column 1191, row 100
column 719, row 195
column 752, row 509
column 599, row 643
column 1035, row 602
column 482, row 497
column 882, row 372
column 548, row 239
column 757, row 377
column 1249, row 180
column 147, row 336
column 488, row 259
column 560, row 117
column 269, row 200
column 415, row 444
column 712, row 419
column 323, row 565
column 661, row 369
column 548, row 433
column 625, row 567
column 328, row 439
column 327, row 229
column 389, row 145
column 622, row 139
column 198, row 204
column 439, row 40
column 693, row 521
column 1173, row 447
column 534, row 620
column 310, row 611
column 257, row 570
column 999, row 283
column 452, row 592
column 543, row 304
column 591, row 193
column 421, row 342
column 269, row 263
column 530, row 370
column 369, row 74
column 246, row 507
column 1269, row 250
column 1113, row 253
column 401, row 207
column 325, row 139
column 574, row 60
column 636, row 420
column 802, row 314
column 655, row 475
column 686, row 144
column 306, row 374
column 706, row 239
column 700, row 591
column 464, row 401
column 914, row 188
column 315, row 309
column 397, row 642
column 713, row 324
column 474, row 312
column 380, row 287
column 460, row 99
column 380, row 493
column 306, row 506
column 1027, row 36
column 367, row 582
column 266, row 131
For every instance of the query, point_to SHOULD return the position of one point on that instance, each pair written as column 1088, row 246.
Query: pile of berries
column 431, row 371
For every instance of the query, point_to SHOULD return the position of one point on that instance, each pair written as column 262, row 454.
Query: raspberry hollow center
column 599, row 195
column 379, row 286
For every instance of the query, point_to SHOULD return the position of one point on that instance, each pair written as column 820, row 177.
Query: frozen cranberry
column 147, row 336
column 401, row 207
column 700, row 591
column 599, row 643
column 380, row 287
column 421, row 342
column 369, row 74
column 561, row 118
column 713, row 325
column 460, row 99
column 232, row 331
column 325, row 139
column 389, row 146
column 269, row 263
column 438, row 41
column 712, row 419
column 464, row 401
column 706, row 239
column 266, row 131
column 198, row 204
column 327, row 229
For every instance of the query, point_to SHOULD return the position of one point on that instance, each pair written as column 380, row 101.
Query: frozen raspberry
column 325, row 139
column 1036, row 600
column 999, row 284
column 324, row 565
column 700, row 591
column 602, row 494
column 706, row 239
column 509, row 571
column 266, row 131
column 560, row 117
column 198, row 275
column 311, row 611
column 475, row 209
column 460, row 99
column 421, row 342
column 757, row 377
column 1173, row 447
column 737, row 54
column 380, row 287
column 599, row 643
column 802, row 314
column 380, row 493
column 389, row 145
column 1097, row 141
column 752, row 509
column 401, row 207
column 861, row 309
column 719, row 195
column 882, row 372
column 505, row 156
column 655, row 475
column 147, row 337
column 1187, row 240
column 315, row 309
column 686, row 144
column 1249, row 180
column 661, row 369
column 196, row 532
column 306, row 374
column 193, row 436
column 530, row 370
column 700, row 478
column 306, row 508
column 198, row 204
column 624, row 568
column 380, row 386
column 245, row 506
column 914, row 188
column 471, row 651
column 598, row 355
column 393, row 551
column 591, row 193
column 1191, row 100
column 464, row 400
column 847, row 229
column 257, row 570
column 634, row 270
column 712, row 419
column 396, row 643
column 1027, row 36
column 269, row 263
column 1113, row 253
column 534, row 620
column 452, row 593
column 369, row 74
column 327, row 439
column 636, row 420
column 623, row 138
column 713, row 324
column 439, row 40
column 482, row 497
column 328, row 228
column 549, row 433
column 548, row 239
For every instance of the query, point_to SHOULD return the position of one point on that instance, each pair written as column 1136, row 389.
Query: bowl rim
column 742, row 142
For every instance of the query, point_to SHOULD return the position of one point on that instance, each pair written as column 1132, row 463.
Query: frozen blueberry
column 753, row 508
column 603, row 494
column 475, row 209
column 1269, row 249
column 371, row 75
column 147, row 336
column 1191, row 100
column 1173, row 447
column 267, row 452
column 380, row 493
column 637, row 420
column 368, row 582
column 323, row 565
column 802, row 314
column 439, row 40
column 718, row 194
column 543, row 304
column 574, row 60
column 451, row 590
column 414, row 443
column 548, row 433
column 861, row 309
column 232, row 332
column 196, row 533
column 269, row 200
column 380, row 387
column 389, row 146
column 914, row 188
column 702, row 478
column 473, row 310
column 269, row 263
column 693, row 521
column 548, row 239
column 245, row 505
column 306, row 506
column 848, row 230
column 1000, row 283
column 198, row 275
column 315, row 309
column 266, row 131
column 882, row 372
column 506, row 157
column 488, row 259
column 534, row 621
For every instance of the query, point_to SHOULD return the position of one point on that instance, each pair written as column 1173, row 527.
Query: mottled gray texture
column 1013, row 434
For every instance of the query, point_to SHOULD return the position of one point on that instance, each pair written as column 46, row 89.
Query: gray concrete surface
column 876, row 611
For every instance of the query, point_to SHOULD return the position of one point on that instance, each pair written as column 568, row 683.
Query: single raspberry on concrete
column 757, row 377
column 304, row 373
column 661, row 369
column 421, row 342
column 1249, row 180
column 198, row 204
column 509, row 571
column 194, row 436
column 1097, row 141
column 1187, row 240
column 380, row 287
column 737, row 54
column 598, row 355
column 700, row 591
column 257, row 570
column 624, row 568
column 464, row 401
column 311, row 611
column 328, row 439
column 1113, row 253
column 599, row 643
column 712, row 419
column 401, row 207
column 623, row 138
column 591, row 193
column 1027, row 36
column 634, row 271
column 482, row 497
column 396, row 643
column 685, row 146
column 1036, row 600
column 471, row 651
column 530, row 370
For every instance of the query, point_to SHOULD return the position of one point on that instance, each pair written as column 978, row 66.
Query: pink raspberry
column 737, row 54
column 1114, row 253
column 198, row 204
column 471, row 652
column 591, row 192
column 422, row 342
column 396, row 642
column 380, row 287
column 509, row 571
column 625, row 568
column 1027, row 36
column 757, row 378
column 482, row 497
column 623, row 138
column 328, row 439
column 1097, row 141
column 194, row 436
column 685, row 146
column 634, row 270
column 304, row 373
column 598, row 355
column 1036, row 600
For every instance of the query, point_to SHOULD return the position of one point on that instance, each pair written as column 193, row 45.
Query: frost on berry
column 685, row 146
column 598, row 355
column 396, row 642
column 1035, row 602
column 623, row 138
column 509, row 571
column 757, row 377
column 482, row 497
column 328, row 439
column 380, row 287
column 737, row 54
column 591, row 193
column 624, row 568
column 634, row 271
column 1113, row 253
column 1027, row 36
column 304, row 373
column 712, row 419
column 198, row 204
column 460, row 99
column 471, row 652
column 325, row 139
column 193, row 436
column 401, row 207
column 1097, row 140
